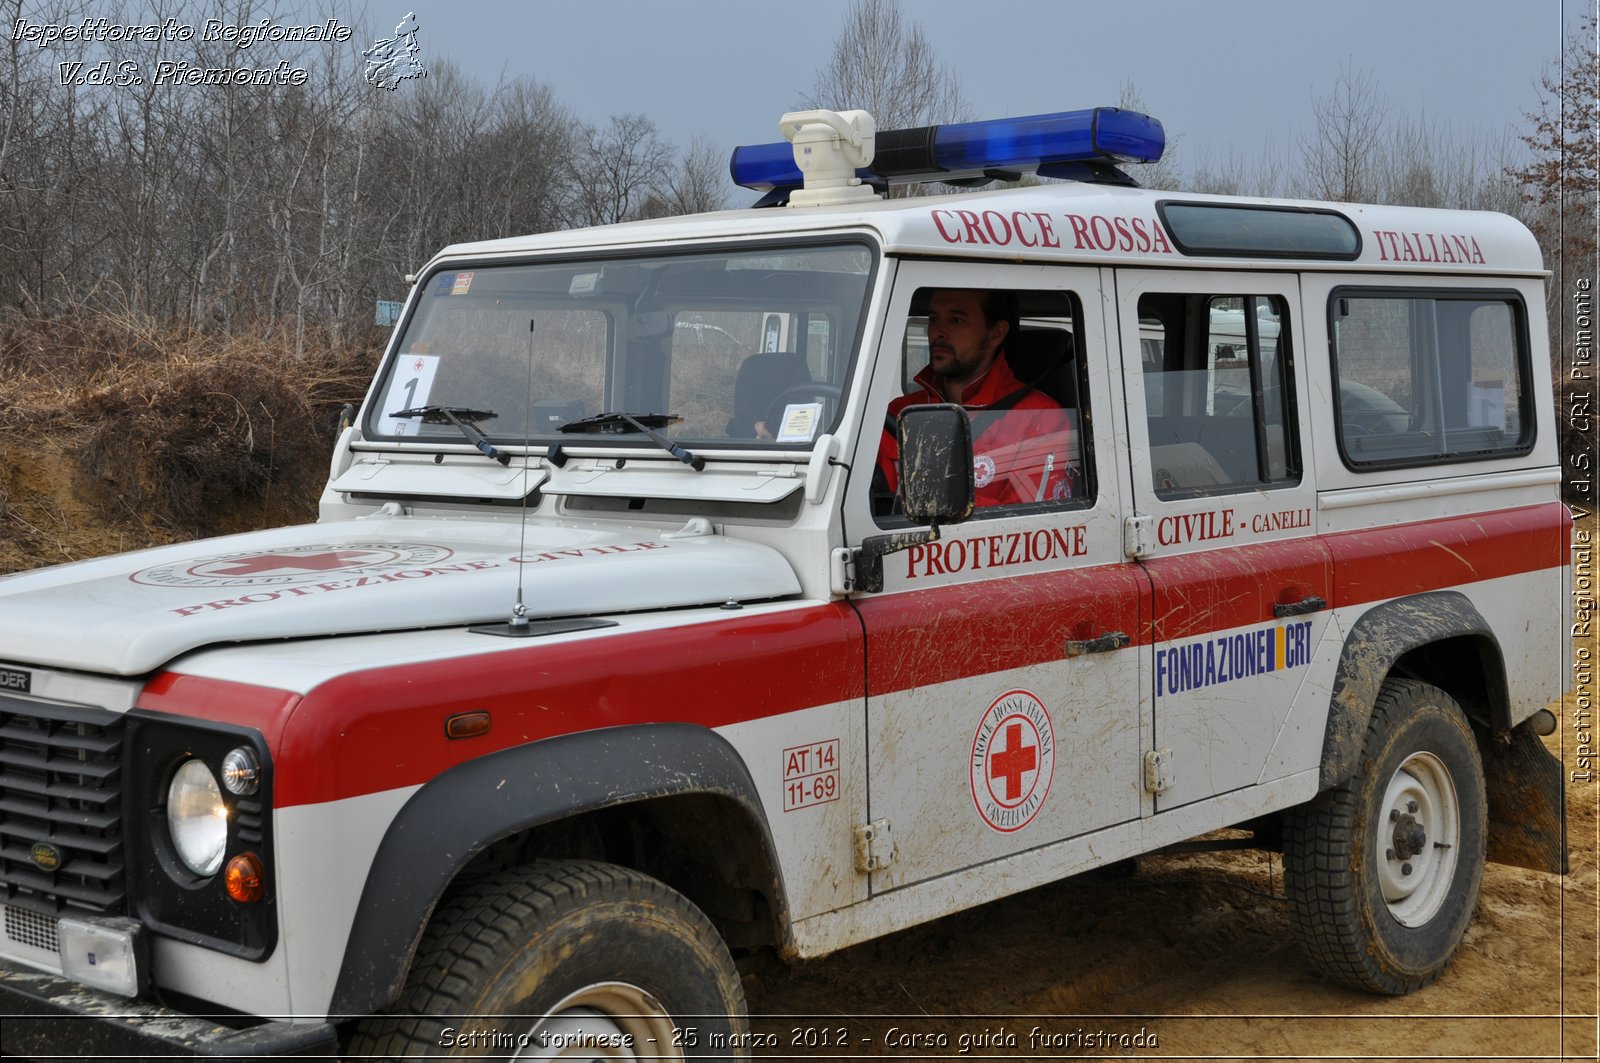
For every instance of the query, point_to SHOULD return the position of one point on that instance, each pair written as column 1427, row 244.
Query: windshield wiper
column 463, row 419
column 619, row 423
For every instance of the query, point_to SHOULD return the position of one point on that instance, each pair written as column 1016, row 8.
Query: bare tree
column 1427, row 164
column 624, row 162
column 47, row 161
column 883, row 64
column 1561, row 187
column 284, row 209
column 700, row 183
column 529, row 158
column 1560, row 181
column 1341, row 158
column 1226, row 174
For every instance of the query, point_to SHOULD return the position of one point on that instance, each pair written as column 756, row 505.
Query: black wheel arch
column 1439, row 637
column 640, row 773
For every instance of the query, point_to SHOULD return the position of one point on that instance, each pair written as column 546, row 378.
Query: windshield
column 733, row 348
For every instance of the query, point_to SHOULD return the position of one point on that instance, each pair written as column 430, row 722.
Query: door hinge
column 1158, row 777
column 1136, row 537
column 874, row 846
column 842, row 570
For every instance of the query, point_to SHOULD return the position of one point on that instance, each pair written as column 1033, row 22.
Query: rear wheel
column 565, row 960
column 1383, row 872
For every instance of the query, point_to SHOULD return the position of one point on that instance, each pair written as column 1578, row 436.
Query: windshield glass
column 741, row 347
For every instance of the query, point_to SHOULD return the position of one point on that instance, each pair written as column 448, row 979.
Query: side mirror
column 936, row 485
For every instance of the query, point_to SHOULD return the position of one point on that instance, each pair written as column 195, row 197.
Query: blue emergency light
column 1039, row 143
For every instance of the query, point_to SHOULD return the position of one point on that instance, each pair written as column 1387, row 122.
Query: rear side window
column 1429, row 376
column 1218, row 401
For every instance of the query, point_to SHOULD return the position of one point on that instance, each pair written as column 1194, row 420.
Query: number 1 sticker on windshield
column 409, row 386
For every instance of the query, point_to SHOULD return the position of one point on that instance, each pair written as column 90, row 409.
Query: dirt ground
column 1197, row 954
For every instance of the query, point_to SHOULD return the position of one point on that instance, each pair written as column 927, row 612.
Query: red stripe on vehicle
column 955, row 632
column 947, row 633
column 381, row 729
column 1432, row 555
column 220, row 701
column 1233, row 586
column 384, row 728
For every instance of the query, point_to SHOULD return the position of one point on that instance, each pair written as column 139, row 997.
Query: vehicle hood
column 131, row 613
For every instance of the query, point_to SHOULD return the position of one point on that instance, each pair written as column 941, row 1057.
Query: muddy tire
column 557, row 959
column 1383, row 872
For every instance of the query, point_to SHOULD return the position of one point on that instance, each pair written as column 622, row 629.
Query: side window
column 1028, row 409
column 1219, row 399
column 1426, row 377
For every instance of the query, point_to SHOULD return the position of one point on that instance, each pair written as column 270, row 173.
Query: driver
column 1021, row 438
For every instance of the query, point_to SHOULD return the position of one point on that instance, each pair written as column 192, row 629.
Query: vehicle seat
column 1185, row 466
column 1043, row 357
column 762, row 377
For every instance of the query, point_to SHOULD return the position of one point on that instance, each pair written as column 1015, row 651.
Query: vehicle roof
column 1075, row 222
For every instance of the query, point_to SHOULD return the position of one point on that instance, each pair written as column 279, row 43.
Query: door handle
column 1111, row 640
column 1313, row 604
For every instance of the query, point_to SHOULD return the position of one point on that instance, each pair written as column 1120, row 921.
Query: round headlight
column 197, row 818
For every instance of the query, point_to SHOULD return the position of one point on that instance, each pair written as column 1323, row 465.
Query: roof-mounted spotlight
column 828, row 147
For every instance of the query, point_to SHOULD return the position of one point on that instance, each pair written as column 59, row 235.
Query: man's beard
column 952, row 368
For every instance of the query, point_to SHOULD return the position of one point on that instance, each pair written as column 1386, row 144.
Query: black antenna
column 519, row 612
column 518, row 627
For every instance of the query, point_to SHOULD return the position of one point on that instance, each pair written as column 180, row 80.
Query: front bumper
column 45, row 1017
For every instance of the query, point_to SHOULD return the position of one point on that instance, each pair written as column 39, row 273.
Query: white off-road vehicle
column 635, row 642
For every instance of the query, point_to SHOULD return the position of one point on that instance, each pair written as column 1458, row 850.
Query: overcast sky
column 1220, row 75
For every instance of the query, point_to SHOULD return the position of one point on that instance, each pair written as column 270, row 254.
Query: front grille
column 31, row 929
column 61, row 805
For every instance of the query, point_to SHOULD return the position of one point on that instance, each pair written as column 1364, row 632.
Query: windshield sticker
column 409, row 387
column 800, row 422
column 463, row 284
column 443, row 285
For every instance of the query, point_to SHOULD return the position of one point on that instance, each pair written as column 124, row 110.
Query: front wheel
column 1383, row 872
column 565, row 960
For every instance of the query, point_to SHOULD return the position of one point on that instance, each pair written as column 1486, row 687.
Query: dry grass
column 152, row 432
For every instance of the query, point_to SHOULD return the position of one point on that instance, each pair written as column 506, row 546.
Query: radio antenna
column 517, row 626
column 519, row 612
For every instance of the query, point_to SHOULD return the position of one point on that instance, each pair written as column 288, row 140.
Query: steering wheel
column 828, row 393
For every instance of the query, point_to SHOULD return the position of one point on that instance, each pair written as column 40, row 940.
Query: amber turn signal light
column 467, row 725
column 243, row 878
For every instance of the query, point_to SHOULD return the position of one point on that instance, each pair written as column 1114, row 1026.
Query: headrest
column 1034, row 352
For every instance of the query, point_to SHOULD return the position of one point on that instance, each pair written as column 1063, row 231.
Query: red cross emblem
column 254, row 566
column 1013, row 762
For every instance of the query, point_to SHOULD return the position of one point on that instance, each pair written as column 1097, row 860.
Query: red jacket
column 1020, row 453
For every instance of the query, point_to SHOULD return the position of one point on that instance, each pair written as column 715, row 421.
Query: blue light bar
column 764, row 167
column 968, row 149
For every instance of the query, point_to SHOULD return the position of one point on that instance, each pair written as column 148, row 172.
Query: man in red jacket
column 1021, row 438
